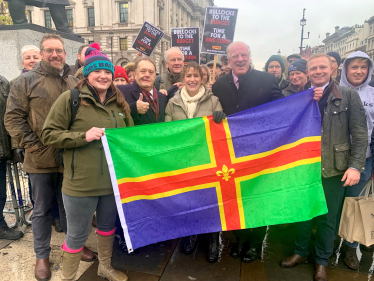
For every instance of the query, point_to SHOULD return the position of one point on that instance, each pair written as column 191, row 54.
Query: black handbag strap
column 74, row 105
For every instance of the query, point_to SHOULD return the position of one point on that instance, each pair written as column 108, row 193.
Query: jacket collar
column 149, row 113
column 293, row 89
column 77, row 64
column 177, row 99
column 172, row 77
column 45, row 68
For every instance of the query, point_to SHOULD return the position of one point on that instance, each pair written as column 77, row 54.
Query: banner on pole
column 219, row 30
column 188, row 40
column 148, row 38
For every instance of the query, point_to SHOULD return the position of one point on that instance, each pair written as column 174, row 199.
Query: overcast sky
column 270, row 25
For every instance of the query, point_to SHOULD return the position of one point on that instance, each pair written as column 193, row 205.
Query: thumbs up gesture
column 142, row 106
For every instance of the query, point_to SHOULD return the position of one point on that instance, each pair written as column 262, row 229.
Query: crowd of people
column 52, row 106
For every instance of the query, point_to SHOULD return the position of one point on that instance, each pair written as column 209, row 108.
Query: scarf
column 191, row 102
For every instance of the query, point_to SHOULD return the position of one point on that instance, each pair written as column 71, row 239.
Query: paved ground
column 166, row 262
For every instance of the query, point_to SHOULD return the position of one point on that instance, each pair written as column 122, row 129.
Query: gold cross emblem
column 225, row 173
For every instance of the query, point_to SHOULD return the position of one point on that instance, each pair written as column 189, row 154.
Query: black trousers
column 44, row 188
column 326, row 224
column 252, row 236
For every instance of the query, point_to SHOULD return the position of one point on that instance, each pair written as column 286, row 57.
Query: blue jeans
column 2, row 191
column 354, row 191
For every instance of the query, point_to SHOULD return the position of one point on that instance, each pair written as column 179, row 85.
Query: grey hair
column 230, row 45
column 29, row 47
column 172, row 48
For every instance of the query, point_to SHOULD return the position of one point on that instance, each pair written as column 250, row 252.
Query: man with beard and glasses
column 242, row 89
column 29, row 102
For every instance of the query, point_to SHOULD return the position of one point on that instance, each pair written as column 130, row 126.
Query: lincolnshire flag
column 258, row 167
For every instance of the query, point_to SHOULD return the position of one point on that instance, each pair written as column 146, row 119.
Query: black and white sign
column 148, row 38
column 219, row 30
column 188, row 40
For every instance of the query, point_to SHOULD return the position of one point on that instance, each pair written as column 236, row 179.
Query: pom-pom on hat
column 96, row 60
column 119, row 71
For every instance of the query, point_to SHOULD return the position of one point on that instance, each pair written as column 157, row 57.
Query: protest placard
column 188, row 40
column 148, row 38
column 219, row 29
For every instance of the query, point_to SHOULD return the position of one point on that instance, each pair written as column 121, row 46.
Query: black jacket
column 5, row 148
column 131, row 93
column 255, row 88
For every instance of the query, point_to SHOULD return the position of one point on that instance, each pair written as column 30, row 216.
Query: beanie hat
column 336, row 56
column 275, row 58
column 96, row 60
column 297, row 65
column 119, row 71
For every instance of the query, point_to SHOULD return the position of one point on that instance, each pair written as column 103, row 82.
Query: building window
column 69, row 14
column 123, row 44
column 47, row 19
column 29, row 16
column 123, row 12
column 90, row 42
column 91, row 16
column 123, row 64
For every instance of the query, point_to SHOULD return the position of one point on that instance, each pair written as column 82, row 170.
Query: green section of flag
column 292, row 195
column 164, row 147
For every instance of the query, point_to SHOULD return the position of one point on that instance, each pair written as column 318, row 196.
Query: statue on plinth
column 56, row 7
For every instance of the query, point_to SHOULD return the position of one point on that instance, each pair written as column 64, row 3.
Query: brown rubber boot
column 105, row 250
column 69, row 264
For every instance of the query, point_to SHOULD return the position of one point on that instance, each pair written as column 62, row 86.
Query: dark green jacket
column 291, row 89
column 86, row 170
column 166, row 81
column 344, row 132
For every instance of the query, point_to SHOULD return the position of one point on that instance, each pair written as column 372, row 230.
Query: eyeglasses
column 50, row 51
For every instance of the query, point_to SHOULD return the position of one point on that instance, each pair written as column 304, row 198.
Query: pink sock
column 71, row 251
column 106, row 233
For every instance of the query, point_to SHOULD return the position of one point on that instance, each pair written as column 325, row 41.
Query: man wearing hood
column 174, row 62
column 356, row 74
column 275, row 65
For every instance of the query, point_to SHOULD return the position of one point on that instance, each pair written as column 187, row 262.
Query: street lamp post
column 303, row 23
column 111, row 44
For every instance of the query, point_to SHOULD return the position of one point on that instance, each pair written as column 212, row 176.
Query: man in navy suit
column 146, row 103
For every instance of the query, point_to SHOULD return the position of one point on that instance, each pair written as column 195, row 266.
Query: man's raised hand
column 142, row 106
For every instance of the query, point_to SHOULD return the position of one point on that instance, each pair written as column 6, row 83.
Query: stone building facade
column 370, row 39
column 114, row 24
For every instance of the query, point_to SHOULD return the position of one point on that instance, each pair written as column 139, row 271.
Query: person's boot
column 17, row 10
column 57, row 224
column 42, row 270
column 321, row 273
column 351, row 259
column 59, row 17
column 213, row 252
column 250, row 255
column 87, row 255
column 293, row 261
column 105, row 250
column 69, row 264
column 189, row 245
column 10, row 233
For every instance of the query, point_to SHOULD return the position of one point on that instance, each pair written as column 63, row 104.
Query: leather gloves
column 218, row 116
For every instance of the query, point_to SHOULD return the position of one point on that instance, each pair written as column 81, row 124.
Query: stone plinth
column 14, row 37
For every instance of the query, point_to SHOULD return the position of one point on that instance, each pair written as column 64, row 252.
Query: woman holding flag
column 195, row 100
column 87, row 186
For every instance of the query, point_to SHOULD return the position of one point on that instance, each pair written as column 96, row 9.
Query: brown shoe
column 42, row 270
column 321, row 273
column 87, row 255
column 293, row 260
